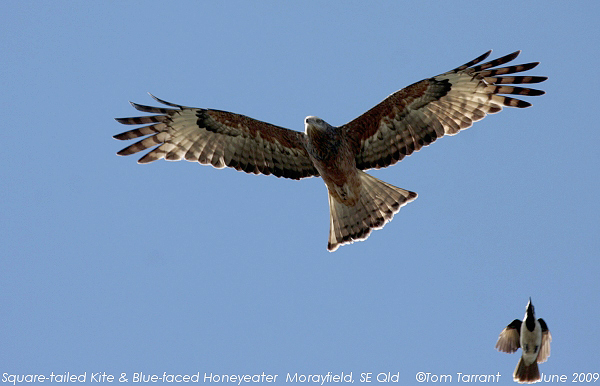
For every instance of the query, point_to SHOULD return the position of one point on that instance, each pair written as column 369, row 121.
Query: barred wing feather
column 218, row 138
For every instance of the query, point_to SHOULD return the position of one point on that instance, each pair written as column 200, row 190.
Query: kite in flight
column 401, row 124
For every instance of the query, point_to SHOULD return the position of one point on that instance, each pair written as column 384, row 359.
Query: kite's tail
column 377, row 204
column 526, row 373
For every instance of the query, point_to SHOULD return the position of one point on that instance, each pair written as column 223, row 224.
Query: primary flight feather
column 401, row 124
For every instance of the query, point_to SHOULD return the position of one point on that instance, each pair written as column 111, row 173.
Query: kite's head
column 315, row 123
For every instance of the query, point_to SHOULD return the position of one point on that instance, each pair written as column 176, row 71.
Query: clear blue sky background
column 107, row 265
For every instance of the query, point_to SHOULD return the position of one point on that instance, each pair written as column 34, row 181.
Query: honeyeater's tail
column 526, row 373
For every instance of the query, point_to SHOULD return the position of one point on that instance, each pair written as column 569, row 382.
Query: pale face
column 315, row 123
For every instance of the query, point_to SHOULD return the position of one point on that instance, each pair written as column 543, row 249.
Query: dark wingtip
column 523, row 104
column 164, row 102
column 485, row 55
column 137, row 106
column 514, row 55
column 480, row 58
column 121, row 136
column 473, row 62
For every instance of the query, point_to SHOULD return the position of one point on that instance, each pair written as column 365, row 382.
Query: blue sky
column 110, row 266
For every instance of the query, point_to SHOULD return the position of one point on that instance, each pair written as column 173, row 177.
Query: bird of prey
column 401, row 124
column 533, row 337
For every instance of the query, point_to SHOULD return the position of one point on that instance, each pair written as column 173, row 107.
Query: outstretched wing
column 509, row 340
column 218, row 138
column 445, row 104
column 546, row 339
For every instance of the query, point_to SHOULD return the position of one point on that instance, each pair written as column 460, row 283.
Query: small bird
column 534, row 338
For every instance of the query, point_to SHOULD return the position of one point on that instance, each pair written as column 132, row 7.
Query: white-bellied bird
column 533, row 337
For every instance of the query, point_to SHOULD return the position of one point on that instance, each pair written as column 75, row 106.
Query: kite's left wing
column 218, row 138
column 445, row 104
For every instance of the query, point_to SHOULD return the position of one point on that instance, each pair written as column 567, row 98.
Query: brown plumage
column 401, row 124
